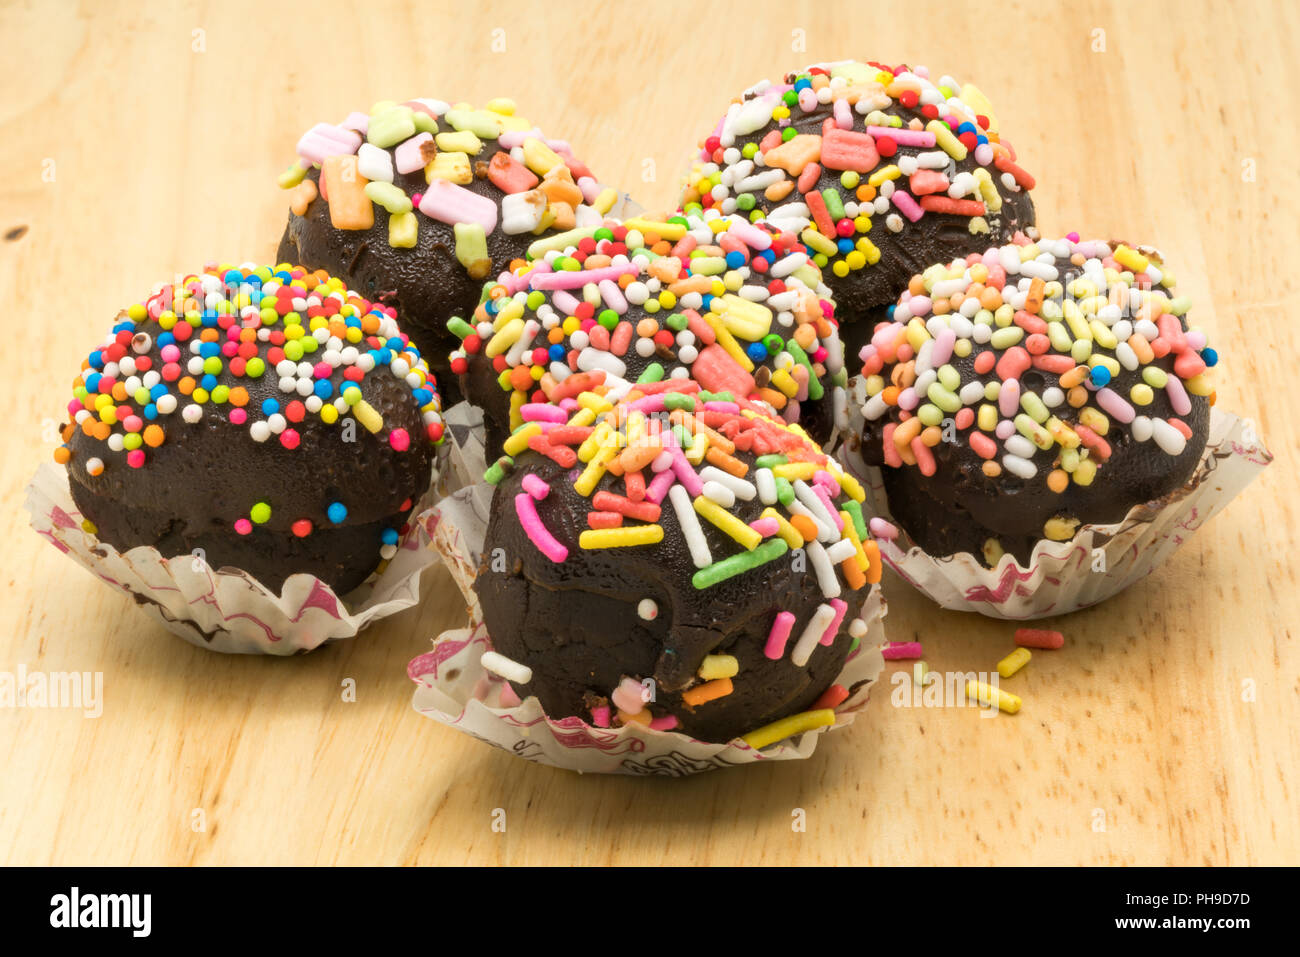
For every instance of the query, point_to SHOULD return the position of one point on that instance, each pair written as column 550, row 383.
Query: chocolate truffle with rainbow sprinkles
column 1021, row 392
column 269, row 417
column 879, row 170
column 417, row 204
column 677, row 561
column 736, row 307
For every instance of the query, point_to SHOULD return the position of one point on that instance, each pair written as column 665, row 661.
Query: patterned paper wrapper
column 1098, row 562
column 454, row 688
column 227, row 610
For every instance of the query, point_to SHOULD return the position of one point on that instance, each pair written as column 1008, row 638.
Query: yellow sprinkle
column 947, row 142
column 787, row 532
column 597, row 403
column 518, row 440
column 745, row 536
column 605, row 200
column 621, row 537
column 669, row 231
column 885, row 172
column 718, row 666
column 1013, row 662
column 582, row 418
column 1131, row 259
column 517, row 400
column 403, row 230
column 699, row 448
column 367, row 416
column 292, row 176
column 988, row 696
column 453, row 167
column 795, row 470
column 728, row 342
column 851, row 534
column 788, row 727
column 850, row 485
column 539, row 157
column 782, row 379
column 749, row 320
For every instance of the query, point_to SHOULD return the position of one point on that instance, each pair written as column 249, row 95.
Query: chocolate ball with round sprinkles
column 417, row 204
column 675, row 561
column 736, row 307
column 1021, row 392
column 880, row 170
column 269, row 420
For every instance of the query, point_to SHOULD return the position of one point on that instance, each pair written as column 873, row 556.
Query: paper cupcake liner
column 1098, row 562
column 228, row 610
column 454, row 688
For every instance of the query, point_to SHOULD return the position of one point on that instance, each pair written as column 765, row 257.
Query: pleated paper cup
column 453, row 687
column 227, row 610
column 1099, row 562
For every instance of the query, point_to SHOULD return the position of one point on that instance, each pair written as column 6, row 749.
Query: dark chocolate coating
column 575, row 624
column 958, row 508
column 935, row 237
column 426, row 283
column 208, row 474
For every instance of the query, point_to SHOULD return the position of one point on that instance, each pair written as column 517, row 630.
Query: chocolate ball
column 1022, row 392
column 269, row 421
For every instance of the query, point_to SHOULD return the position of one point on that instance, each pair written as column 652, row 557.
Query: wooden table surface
column 141, row 139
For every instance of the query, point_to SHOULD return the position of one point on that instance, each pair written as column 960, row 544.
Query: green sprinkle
column 654, row 372
column 855, row 513
column 734, row 565
column 684, row 437
column 767, row 461
column 260, row 513
column 834, row 205
column 459, row 327
column 676, row 322
column 677, row 400
column 784, row 491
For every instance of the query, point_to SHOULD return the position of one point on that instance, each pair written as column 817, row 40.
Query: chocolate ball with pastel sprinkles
column 271, row 421
column 417, row 204
column 1020, row 393
column 734, row 306
column 676, row 561
column 879, row 170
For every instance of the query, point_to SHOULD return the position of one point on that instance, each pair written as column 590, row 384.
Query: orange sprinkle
column 709, row 691
column 805, row 527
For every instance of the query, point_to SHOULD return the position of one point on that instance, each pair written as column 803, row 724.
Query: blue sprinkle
column 756, row 351
column 158, row 391
column 735, row 259
column 209, row 381
column 92, row 382
column 557, row 353
column 1210, row 356
column 270, row 406
column 323, row 388
column 1100, row 376
column 151, row 411
column 97, row 360
column 844, row 245
column 389, row 536
column 337, row 512
column 209, row 349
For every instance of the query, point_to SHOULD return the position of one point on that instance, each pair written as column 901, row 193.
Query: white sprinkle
column 507, row 668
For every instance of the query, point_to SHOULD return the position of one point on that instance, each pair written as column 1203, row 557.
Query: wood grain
column 164, row 157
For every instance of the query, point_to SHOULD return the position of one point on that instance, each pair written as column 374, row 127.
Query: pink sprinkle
column 508, row 697
column 536, row 531
column 901, row 650
column 660, row 485
column 883, row 530
column 238, row 416
column 600, row 716
column 399, row 439
column 666, row 723
column 535, row 486
column 907, row 205
column 828, row 636
column 767, row 527
column 289, row 438
column 135, row 458
column 1111, row 401
column 542, row 412
column 777, row 637
column 1072, row 237
column 243, row 526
